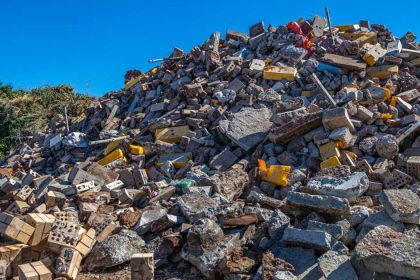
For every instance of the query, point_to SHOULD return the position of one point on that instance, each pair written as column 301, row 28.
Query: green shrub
column 22, row 112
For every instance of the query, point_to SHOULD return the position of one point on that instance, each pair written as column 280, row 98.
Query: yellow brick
column 171, row 134
column 329, row 150
column 352, row 35
column 136, row 150
column 111, row 146
column 279, row 73
column 346, row 27
column 369, row 37
column 132, row 82
column 331, row 162
column 382, row 71
column 117, row 154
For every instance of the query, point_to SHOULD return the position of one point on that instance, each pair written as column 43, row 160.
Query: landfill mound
column 290, row 152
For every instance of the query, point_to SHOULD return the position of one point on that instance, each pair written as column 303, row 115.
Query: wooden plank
column 344, row 62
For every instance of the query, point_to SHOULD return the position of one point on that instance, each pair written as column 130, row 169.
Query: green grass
column 24, row 112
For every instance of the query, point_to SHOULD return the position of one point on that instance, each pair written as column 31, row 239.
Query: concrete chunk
column 335, row 266
column 308, row 238
column 386, row 251
column 248, row 127
column 349, row 187
column 319, row 203
column 402, row 205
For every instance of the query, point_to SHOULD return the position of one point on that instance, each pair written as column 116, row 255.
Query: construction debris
column 291, row 152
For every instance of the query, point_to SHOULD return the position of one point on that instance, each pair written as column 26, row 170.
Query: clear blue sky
column 91, row 43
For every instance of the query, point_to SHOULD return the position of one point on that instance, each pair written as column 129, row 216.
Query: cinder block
column 373, row 54
column 363, row 165
column 142, row 266
column 116, row 185
column 64, row 234
column 34, row 271
column 42, row 224
column 68, row 263
column 398, row 180
column 29, row 178
column 10, row 185
column 67, row 216
column 14, row 255
column 18, row 206
column 84, row 187
column 104, row 229
column 15, row 228
column 381, row 163
column 413, row 166
column 86, row 243
column 53, row 198
column 140, row 176
column 24, row 193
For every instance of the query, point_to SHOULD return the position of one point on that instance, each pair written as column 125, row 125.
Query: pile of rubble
column 288, row 153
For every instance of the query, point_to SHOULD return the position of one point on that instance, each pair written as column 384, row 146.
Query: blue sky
column 91, row 43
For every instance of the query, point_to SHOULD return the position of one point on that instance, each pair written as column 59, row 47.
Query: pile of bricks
column 286, row 153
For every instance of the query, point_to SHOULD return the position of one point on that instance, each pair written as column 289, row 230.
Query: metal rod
column 105, row 141
column 66, row 120
column 323, row 89
column 165, row 59
column 330, row 26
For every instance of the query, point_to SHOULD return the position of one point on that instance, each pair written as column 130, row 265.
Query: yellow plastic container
column 275, row 174
column 136, row 150
column 386, row 116
column 393, row 101
column 117, row 154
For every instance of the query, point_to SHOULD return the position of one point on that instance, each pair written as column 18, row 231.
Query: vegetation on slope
column 23, row 112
